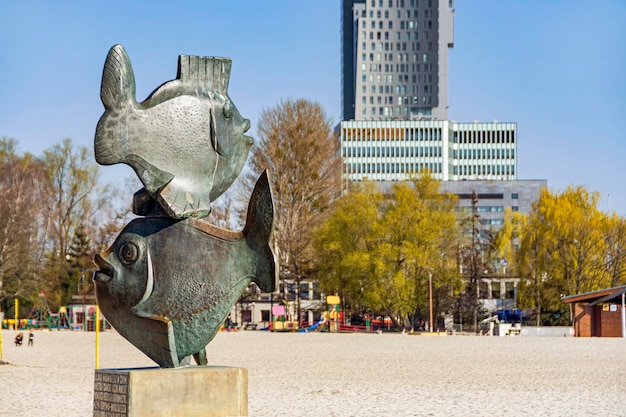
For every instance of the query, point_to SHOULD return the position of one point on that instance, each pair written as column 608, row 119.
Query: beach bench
column 513, row 331
column 250, row 326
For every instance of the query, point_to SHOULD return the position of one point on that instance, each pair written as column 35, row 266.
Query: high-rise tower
column 395, row 59
column 395, row 109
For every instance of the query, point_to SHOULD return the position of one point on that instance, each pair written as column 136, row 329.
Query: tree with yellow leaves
column 379, row 251
column 616, row 249
column 562, row 251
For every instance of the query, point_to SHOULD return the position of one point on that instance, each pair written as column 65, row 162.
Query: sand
column 317, row 374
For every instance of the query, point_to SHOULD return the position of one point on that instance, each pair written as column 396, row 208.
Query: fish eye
column 128, row 253
column 228, row 109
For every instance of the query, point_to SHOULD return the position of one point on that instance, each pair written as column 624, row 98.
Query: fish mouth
column 106, row 271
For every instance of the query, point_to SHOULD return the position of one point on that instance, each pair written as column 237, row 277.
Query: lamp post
column 430, row 298
column 623, row 315
column 81, row 291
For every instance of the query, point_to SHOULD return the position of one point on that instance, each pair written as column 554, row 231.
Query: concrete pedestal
column 186, row 391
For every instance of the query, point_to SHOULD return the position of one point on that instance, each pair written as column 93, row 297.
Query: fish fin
column 200, row 357
column 143, row 307
column 259, row 221
column 180, row 200
column 118, row 79
column 214, row 140
column 152, row 177
column 147, row 206
column 157, row 342
column 143, row 203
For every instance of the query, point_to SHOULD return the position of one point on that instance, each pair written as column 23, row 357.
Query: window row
column 409, row 68
column 490, row 209
column 391, row 100
column 481, row 209
column 390, row 168
column 388, row 46
column 388, row 57
column 388, row 78
column 399, row 111
column 400, row 3
column 495, row 222
column 483, row 154
column 392, row 152
column 421, row 134
column 404, row 25
column 484, row 170
column 399, row 89
column 484, row 136
column 496, row 289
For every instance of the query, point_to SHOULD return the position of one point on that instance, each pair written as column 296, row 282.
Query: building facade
column 395, row 59
column 388, row 150
column 493, row 197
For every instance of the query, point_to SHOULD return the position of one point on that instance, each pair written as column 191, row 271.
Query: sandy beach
column 318, row 374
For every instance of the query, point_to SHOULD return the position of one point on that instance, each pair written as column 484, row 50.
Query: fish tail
column 118, row 79
column 117, row 93
column 257, row 231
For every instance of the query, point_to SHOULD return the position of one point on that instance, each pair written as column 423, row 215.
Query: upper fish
column 186, row 141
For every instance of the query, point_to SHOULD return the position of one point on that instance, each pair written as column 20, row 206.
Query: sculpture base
column 186, row 391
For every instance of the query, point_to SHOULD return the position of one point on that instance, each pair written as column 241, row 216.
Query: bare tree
column 20, row 220
column 71, row 180
column 297, row 146
column 112, row 210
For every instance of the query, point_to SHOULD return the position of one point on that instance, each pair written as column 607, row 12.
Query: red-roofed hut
column 599, row 313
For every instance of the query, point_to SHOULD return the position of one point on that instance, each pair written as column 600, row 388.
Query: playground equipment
column 59, row 320
column 333, row 303
column 280, row 322
column 1, row 347
column 40, row 312
column 315, row 325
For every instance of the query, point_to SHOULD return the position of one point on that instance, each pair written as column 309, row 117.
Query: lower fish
column 166, row 285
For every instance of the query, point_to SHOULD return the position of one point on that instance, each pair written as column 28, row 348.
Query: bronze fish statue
column 186, row 141
column 167, row 285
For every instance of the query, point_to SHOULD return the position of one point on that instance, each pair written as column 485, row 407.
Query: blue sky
column 557, row 68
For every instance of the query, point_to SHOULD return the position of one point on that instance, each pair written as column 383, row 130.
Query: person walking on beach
column 31, row 337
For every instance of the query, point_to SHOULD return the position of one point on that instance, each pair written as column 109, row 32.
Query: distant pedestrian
column 31, row 338
column 19, row 338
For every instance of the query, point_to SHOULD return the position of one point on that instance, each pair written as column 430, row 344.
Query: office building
column 395, row 59
column 395, row 103
column 388, row 150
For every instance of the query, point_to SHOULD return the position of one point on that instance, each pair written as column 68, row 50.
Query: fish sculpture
column 186, row 141
column 166, row 284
